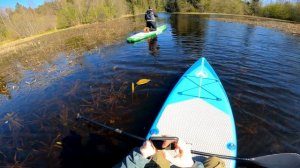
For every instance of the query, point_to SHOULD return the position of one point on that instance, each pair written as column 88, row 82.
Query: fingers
column 183, row 147
column 178, row 160
column 177, row 151
column 183, row 157
column 147, row 149
column 167, row 143
column 148, row 144
column 169, row 157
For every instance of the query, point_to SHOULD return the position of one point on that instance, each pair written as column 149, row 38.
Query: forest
column 53, row 15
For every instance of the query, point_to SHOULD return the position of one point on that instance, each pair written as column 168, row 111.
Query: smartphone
column 168, row 143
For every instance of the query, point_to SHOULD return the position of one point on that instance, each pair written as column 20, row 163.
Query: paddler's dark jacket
column 150, row 16
column 136, row 160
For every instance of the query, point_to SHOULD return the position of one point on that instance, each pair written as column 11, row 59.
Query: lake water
column 259, row 68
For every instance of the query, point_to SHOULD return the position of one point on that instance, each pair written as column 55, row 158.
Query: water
column 258, row 67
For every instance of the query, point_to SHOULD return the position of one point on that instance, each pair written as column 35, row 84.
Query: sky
column 26, row 3
column 36, row 3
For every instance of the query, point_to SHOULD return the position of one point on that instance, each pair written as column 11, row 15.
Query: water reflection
column 153, row 46
column 189, row 32
column 249, row 33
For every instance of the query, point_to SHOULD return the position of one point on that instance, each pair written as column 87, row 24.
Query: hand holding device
column 167, row 143
column 183, row 157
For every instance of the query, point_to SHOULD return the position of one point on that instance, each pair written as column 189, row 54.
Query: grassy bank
column 12, row 45
column 36, row 51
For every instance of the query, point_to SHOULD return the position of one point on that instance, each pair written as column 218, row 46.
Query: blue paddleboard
column 198, row 111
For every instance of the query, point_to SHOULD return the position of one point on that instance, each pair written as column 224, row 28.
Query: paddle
column 280, row 160
column 109, row 128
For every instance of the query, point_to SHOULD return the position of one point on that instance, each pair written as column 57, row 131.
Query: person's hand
column 168, row 143
column 183, row 157
column 147, row 149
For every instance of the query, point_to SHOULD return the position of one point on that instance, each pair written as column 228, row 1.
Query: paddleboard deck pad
column 144, row 35
column 198, row 111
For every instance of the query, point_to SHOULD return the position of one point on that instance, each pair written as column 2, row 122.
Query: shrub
column 228, row 6
column 285, row 11
column 3, row 32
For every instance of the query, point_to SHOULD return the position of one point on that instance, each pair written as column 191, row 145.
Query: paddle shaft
column 117, row 130
column 221, row 156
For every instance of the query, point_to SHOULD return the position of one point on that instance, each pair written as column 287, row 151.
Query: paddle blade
column 280, row 160
column 142, row 81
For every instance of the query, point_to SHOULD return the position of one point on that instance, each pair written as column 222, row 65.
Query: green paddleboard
column 143, row 35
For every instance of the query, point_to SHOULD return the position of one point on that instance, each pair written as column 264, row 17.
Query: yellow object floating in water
column 143, row 81
column 59, row 143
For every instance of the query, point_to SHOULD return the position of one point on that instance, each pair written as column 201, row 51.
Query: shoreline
column 236, row 15
column 285, row 26
column 289, row 28
column 282, row 25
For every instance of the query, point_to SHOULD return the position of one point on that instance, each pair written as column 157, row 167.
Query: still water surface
column 258, row 67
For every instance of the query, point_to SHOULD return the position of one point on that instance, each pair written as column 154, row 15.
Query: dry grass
column 108, row 27
column 34, row 52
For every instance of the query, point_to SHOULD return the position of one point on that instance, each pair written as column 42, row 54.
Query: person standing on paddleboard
column 150, row 16
column 148, row 156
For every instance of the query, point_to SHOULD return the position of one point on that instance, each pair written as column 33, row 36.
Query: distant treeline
column 57, row 14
